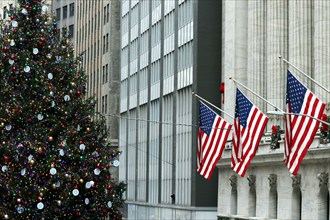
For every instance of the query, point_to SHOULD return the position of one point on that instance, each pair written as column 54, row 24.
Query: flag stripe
column 300, row 130
column 246, row 136
column 214, row 156
column 242, row 167
column 212, row 136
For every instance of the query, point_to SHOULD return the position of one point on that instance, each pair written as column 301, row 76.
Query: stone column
column 234, row 49
column 322, row 47
column 256, row 50
column 310, row 192
column 277, row 43
column 301, row 38
column 286, row 199
column 243, row 196
column 262, row 184
column 227, row 183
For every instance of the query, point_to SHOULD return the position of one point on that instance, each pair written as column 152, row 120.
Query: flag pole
column 299, row 70
column 265, row 100
column 199, row 97
column 281, row 112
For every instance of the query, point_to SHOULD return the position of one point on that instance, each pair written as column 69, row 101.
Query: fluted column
column 322, row 47
column 256, row 50
column 277, row 43
column 301, row 37
column 234, row 50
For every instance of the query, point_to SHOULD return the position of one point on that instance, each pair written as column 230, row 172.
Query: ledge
column 317, row 153
column 168, row 206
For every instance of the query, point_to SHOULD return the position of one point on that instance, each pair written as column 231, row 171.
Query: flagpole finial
column 279, row 56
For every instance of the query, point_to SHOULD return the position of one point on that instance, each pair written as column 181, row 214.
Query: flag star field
column 243, row 108
column 295, row 93
column 207, row 117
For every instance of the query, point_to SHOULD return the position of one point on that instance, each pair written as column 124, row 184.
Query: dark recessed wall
column 207, row 75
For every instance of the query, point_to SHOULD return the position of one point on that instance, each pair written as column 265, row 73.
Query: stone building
column 254, row 33
column 94, row 28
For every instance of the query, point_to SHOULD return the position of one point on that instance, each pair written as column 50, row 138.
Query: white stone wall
column 272, row 175
column 148, row 211
column 254, row 33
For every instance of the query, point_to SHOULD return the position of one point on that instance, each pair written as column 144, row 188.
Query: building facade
column 64, row 13
column 6, row 6
column 94, row 29
column 169, row 48
column 255, row 32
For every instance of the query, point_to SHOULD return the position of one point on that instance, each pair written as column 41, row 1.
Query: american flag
column 249, row 125
column 300, row 130
column 212, row 136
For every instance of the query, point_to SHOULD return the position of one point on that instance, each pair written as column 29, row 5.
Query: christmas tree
column 55, row 159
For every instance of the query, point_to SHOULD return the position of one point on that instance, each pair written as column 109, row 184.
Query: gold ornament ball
column 88, row 129
column 81, row 181
column 50, row 138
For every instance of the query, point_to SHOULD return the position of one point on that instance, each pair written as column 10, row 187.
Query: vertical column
column 310, row 194
column 266, row 203
column 301, row 37
column 322, row 47
column 256, row 50
column 323, row 196
column 243, row 203
column 227, row 191
column 234, row 49
column 262, row 198
column 277, row 42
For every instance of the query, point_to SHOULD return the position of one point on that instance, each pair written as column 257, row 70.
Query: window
column 64, row 31
column 92, row 28
column 5, row 12
column 91, row 52
column 102, row 104
column 106, row 73
column 103, row 74
column 71, row 9
column 71, row 31
column 106, row 104
column 103, row 44
column 11, row 8
column 94, row 49
column 108, row 12
column 107, row 43
column 96, row 22
column 89, row 27
column 98, row 48
column 105, row 15
column 65, row 12
column 58, row 14
column 58, row 34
